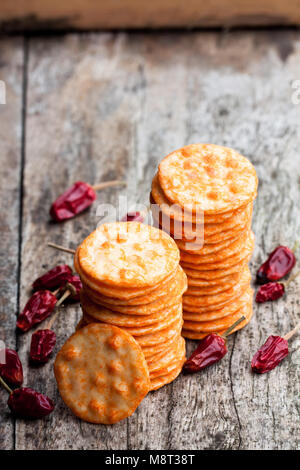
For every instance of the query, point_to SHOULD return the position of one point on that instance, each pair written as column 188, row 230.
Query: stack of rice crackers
column 203, row 195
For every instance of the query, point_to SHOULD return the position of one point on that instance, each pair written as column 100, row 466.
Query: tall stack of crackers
column 132, row 279
column 203, row 196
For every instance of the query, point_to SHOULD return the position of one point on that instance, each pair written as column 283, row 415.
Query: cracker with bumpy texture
column 101, row 374
column 158, row 198
column 218, row 179
column 228, row 309
column 127, row 254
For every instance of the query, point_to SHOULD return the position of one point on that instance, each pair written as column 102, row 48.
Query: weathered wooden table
column 105, row 106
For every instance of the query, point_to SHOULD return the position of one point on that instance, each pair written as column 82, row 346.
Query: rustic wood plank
column 88, row 14
column 11, row 72
column 111, row 106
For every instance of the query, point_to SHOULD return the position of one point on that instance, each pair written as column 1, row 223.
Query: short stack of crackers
column 132, row 279
column 203, row 196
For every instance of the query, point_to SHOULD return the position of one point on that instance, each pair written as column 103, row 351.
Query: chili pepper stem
column 108, row 184
column 61, row 248
column 63, row 297
column 292, row 332
column 4, row 385
column 291, row 279
column 236, row 323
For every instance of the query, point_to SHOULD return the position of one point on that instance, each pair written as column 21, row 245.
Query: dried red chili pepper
column 133, row 217
column 28, row 403
column 210, row 350
column 39, row 306
column 273, row 290
column 76, row 199
column 11, row 371
column 25, row 402
column 270, row 291
column 42, row 345
column 279, row 263
column 56, row 277
column 272, row 352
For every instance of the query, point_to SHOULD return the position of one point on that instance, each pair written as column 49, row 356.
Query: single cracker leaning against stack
column 203, row 196
column 132, row 279
column 101, row 374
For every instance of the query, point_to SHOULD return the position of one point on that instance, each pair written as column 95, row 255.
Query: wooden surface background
column 104, row 106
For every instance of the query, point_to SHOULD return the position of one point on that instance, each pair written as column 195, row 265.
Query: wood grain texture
column 104, row 106
column 90, row 14
column 11, row 72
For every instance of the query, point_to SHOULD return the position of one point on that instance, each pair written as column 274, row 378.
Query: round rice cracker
column 217, row 179
column 131, row 297
column 167, row 297
column 206, row 249
column 186, row 230
column 200, row 335
column 175, row 354
column 154, row 352
column 214, row 289
column 245, row 251
column 214, row 239
column 121, row 319
column 227, row 309
column 216, row 274
column 218, row 324
column 159, row 382
column 174, row 316
column 176, row 212
column 160, row 337
column 124, row 294
column 199, row 291
column 232, row 250
column 101, row 373
column 127, row 254
column 204, row 301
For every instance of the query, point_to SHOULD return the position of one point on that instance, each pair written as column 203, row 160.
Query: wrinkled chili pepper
column 11, row 371
column 56, row 277
column 25, row 402
column 42, row 345
column 39, row 306
column 270, row 291
column 73, row 201
column 133, row 217
column 279, row 263
column 28, row 403
column 76, row 199
column 210, row 350
column 272, row 352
